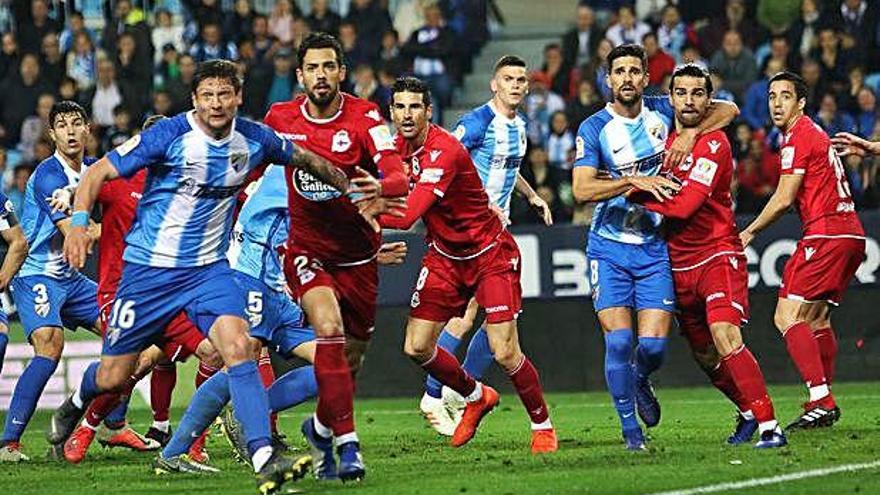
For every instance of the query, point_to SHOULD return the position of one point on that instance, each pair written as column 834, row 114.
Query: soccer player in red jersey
column 470, row 254
column 331, row 257
column 708, row 263
column 826, row 258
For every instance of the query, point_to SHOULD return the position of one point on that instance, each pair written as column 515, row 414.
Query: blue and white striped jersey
column 38, row 221
column 7, row 213
column 261, row 227
column 497, row 146
column 185, row 214
column 622, row 147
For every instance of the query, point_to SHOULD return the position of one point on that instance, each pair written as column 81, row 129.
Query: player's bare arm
column 392, row 253
column 779, row 203
column 849, row 144
column 587, row 185
column 721, row 113
column 535, row 201
column 17, row 251
column 78, row 239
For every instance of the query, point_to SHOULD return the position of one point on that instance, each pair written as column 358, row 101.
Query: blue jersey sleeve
column 660, row 104
column 588, row 149
column 276, row 149
column 144, row 149
column 47, row 180
column 470, row 131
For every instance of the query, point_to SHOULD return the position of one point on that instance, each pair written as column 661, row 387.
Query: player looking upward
column 495, row 136
column 628, row 261
column 331, row 256
column 826, row 258
column 708, row 263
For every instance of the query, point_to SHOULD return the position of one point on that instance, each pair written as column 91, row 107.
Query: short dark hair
column 627, row 50
column 800, row 86
column 509, row 61
column 317, row 41
column 692, row 70
column 120, row 109
column 151, row 120
column 220, row 69
column 66, row 106
column 411, row 85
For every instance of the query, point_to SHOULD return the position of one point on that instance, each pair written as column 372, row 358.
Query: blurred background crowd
column 125, row 60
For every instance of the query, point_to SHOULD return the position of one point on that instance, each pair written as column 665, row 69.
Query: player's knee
column 419, row 350
column 110, row 379
column 457, row 327
column 508, row 355
column 328, row 327
column 618, row 348
column 207, row 353
column 783, row 319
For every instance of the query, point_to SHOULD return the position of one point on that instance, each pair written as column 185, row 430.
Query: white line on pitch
column 772, row 480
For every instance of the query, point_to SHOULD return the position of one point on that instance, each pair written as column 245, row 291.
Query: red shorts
column 179, row 341
column 445, row 285
column 821, row 268
column 356, row 287
column 716, row 291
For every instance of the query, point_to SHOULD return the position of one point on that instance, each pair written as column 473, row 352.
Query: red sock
column 204, row 372
column 746, row 373
column 804, row 351
column 827, row 342
column 447, row 370
column 720, row 377
column 267, row 375
column 105, row 403
column 528, row 386
column 161, row 386
column 335, row 392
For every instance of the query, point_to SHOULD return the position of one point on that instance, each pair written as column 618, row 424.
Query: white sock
column 77, row 400
column 767, row 426
column 260, row 457
column 819, row 392
column 162, row 426
column 476, row 395
column 320, row 429
column 87, row 425
column 348, row 437
column 747, row 415
column 544, row 425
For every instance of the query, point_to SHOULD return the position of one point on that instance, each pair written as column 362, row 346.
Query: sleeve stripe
column 377, row 157
column 438, row 192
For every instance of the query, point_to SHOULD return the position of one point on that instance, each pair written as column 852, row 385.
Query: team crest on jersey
column 687, row 163
column 9, row 206
column 459, row 132
column 42, row 309
column 238, row 161
column 341, row 142
column 255, row 318
column 311, row 188
column 656, row 131
column 416, row 167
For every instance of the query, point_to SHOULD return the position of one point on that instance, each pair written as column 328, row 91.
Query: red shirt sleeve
column 696, row 188
column 380, row 144
column 432, row 185
column 793, row 157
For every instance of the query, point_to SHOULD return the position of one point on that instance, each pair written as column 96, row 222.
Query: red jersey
column 699, row 219
column 448, row 195
column 824, row 202
column 118, row 199
column 325, row 222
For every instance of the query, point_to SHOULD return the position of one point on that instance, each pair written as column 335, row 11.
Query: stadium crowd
column 142, row 61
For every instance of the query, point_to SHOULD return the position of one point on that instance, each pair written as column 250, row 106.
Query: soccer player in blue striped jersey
column 495, row 136
column 618, row 148
column 16, row 252
column 49, row 294
column 175, row 259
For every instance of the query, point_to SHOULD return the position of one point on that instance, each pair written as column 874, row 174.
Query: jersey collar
column 72, row 175
column 191, row 118
column 500, row 115
column 628, row 120
column 305, row 111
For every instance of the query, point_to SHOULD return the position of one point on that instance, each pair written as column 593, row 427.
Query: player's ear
column 494, row 85
column 342, row 71
column 299, row 76
column 802, row 103
column 429, row 112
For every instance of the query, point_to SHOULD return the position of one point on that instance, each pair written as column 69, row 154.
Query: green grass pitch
column 403, row 456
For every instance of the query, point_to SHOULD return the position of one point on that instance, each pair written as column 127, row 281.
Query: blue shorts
column 634, row 276
column 44, row 301
column 148, row 298
column 274, row 317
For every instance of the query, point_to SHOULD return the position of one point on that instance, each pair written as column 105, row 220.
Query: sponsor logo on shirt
column 809, row 252
column 578, row 148
column 713, row 146
column 190, row 187
column 126, row 147
column 704, row 171
column 787, row 157
column 382, row 139
column 497, row 309
column 431, row 175
column 311, row 188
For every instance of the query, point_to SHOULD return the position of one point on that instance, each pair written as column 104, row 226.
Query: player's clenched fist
column 392, row 253
column 660, row 187
column 77, row 246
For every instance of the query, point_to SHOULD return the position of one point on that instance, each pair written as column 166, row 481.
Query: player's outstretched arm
column 779, row 203
column 721, row 113
column 588, row 186
column 681, row 207
column 536, row 202
column 849, row 144
column 78, row 238
column 321, row 168
column 16, row 253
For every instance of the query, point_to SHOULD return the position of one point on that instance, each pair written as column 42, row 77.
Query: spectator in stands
column 20, row 175
column 93, row 142
column 367, row 86
column 162, row 103
column 82, row 61
column 283, row 81
column 100, row 100
column 213, row 46
column 76, row 24
column 859, row 20
column 10, row 56
column 128, row 19
column 31, row 31
column 18, row 97
column 354, row 53
column 322, row 18
column 559, row 74
column 831, row 119
column 735, row 64
column 833, row 60
column 580, row 42
column 721, row 91
column 165, row 32
column 866, row 117
column 742, row 138
column 390, row 58
column 265, row 44
column 68, row 89
column 673, row 33
column 847, row 99
column 605, row 9
column 370, row 20
column 712, row 35
column 121, row 129
column 539, row 105
column 803, row 34
column 133, row 72
column 690, row 54
column 180, row 87
column 431, row 49
column 777, row 16
column 239, row 24
column 586, row 103
column 301, row 30
column 756, row 177
column 650, row 11
column 754, row 105
column 409, row 16
column 545, row 180
column 812, row 74
column 281, row 21
column 34, row 127
column 628, row 29
column 660, row 63
column 780, row 49
column 597, row 69
column 203, row 12
column 560, row 141
column 52, row 64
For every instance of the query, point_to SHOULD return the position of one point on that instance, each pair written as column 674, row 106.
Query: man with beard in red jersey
column 331, row 255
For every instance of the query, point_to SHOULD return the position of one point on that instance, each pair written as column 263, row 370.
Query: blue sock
column 4, row 339
column 204, row 406
column 116, row 418
column 27, row 392
column 292, row 388
column 450, row 343
column 479, row 355
column 619, row 376
column 250, row 404
column 88, row 387
column 649, row 355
